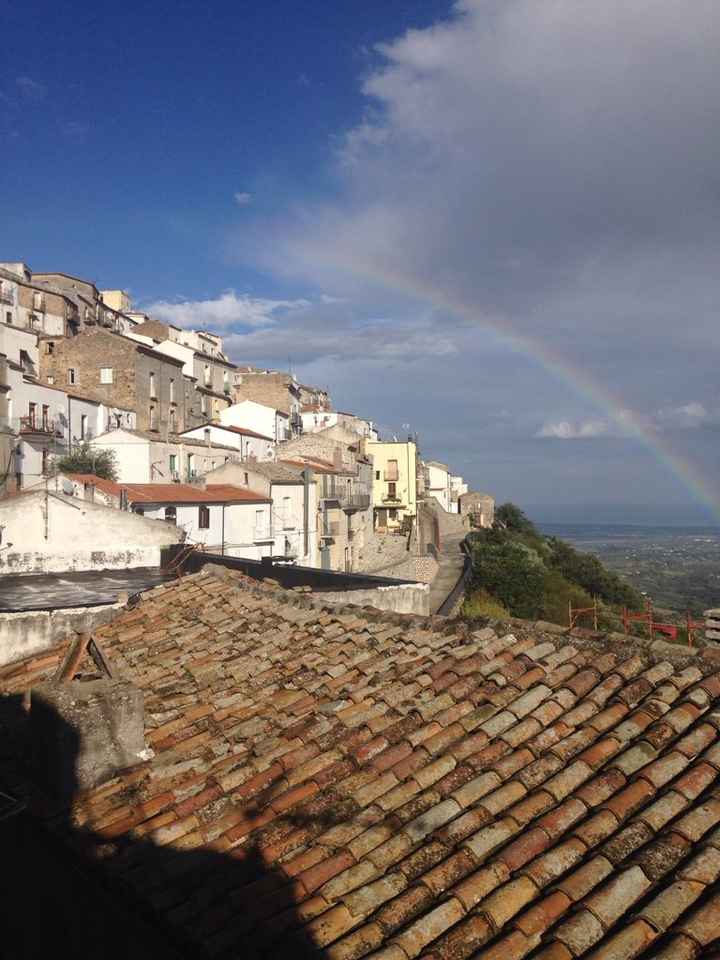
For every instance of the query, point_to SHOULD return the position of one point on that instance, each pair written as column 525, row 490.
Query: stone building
column 57, row 304
column 207, row 370
column 478, row 508
column 121, row 372
column 273, row 389
column 395, row 489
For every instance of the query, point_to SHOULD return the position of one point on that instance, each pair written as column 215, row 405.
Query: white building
column 48, row 421
column 437, row 483
column 294, row 498
column 314, row 419
column 248, row 443
column 224, row 518
column 457, row 488
column 258, row 417
column 146, row 458
column 44, row 531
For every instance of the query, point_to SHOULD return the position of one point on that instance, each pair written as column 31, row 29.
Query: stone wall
column 405, row 598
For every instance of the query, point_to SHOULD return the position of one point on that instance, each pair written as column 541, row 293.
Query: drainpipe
column 306, row 510
column 222, row 547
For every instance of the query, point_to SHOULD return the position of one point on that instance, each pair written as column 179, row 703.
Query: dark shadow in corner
column 194, row 903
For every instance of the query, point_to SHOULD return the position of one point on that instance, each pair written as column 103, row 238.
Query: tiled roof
column 243, row 431
column 108, row 487
column 172, row 492
column 186, row 493
column 397, row 787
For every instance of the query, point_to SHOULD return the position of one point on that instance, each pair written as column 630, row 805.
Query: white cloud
column 30, row 89
column 242, row 199
column 579, row 430
column 227, row 311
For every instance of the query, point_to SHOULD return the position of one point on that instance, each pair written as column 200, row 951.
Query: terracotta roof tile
column 398, row 788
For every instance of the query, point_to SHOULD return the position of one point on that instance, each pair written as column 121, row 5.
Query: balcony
column 355, row 501
column 6, row 296
column 39, row 427
column 263, row 534
column 391, row 498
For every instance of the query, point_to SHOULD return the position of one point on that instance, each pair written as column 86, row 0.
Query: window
column 206, row 433
column 171, row 514
column 377, row 474
column 173, row 463
column 153, row 394
column 172, row 420
column 207, row 375
column 204, row 518
column 391, row 470
column 191, row 464
column 72, row 376
column 152, row 418
column 51, row 380
column 32, row 407
column 8, row 318
column 49, row 348
column 83, row 426
column 45, row 416
column 392, row 514
column 172, row 390
column 106, row 374
column 246, row 479
column 203, row 405
column 392, row 489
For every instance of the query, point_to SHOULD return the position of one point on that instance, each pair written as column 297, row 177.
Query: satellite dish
column 67, row 486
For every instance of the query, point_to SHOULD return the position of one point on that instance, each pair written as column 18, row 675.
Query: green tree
column 513, row 574
column 88, row 459
column 510, row 517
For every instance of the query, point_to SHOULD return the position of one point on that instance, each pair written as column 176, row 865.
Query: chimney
column 83, row 733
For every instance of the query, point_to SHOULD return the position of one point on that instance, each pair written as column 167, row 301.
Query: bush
column 88, row 459
column 557, row 593
column 513, row 574
column 510, row 517
column 481, row 604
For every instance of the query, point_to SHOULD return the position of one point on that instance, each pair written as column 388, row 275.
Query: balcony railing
column 355, row 501
column 391, row 498
column 45, row 426
column 6, row 296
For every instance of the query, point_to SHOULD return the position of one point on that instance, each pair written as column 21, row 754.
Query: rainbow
column 582, row 383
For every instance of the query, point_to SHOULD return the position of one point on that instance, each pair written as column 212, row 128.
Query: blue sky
column 495, row 220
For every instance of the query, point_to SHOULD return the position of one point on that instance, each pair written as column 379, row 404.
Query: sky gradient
column 495, row 222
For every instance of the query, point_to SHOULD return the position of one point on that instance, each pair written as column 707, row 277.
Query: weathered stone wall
column 405, row 598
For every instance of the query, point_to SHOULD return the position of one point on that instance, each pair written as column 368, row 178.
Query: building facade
column 120, row 372
column 147, row 458
column 395, row 482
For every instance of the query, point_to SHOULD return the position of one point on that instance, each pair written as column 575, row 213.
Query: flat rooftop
column 90, row 588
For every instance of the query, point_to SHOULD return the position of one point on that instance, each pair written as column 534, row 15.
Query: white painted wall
column 246, row 446
column 439, row 484
column 64, row 414
column 44, row 533
column 141, row 460
column 245, row 525
column 258, row 417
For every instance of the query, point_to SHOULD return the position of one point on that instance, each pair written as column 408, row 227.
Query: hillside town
column 223, row 457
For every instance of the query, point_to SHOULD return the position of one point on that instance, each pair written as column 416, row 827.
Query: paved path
column 451, row 561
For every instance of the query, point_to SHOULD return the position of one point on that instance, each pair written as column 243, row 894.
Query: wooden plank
column 76, row 651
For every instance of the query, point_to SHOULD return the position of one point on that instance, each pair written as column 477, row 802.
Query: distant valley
column 677, row 567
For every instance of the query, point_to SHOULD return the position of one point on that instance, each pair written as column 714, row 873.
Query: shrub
column 481, row 604
column 88, row 459
column 513, row 574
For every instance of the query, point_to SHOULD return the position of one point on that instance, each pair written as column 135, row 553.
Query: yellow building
column 394, row 481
